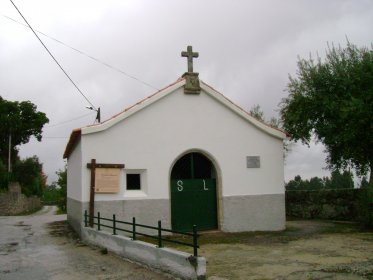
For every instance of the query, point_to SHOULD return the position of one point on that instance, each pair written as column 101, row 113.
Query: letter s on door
column 180, row 186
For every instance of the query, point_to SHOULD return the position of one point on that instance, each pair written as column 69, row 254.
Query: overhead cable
column 70, row 120
column 89, row 56
column 67, row 75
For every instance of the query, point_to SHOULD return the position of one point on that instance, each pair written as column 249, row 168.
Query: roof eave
column 134, row 109
column 278, row 133
column 73, row 141
column 76, row 133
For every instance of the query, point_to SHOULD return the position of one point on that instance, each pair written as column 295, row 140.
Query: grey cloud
column 247, row 49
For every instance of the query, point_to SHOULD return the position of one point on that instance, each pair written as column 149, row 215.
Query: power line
column 89, row 56
column 67, row 75
column 70, row 120
column 55, row 137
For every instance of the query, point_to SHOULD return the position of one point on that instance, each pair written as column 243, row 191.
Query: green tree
column 50, row 194
column 315, row 183
column 296, row 184
column 29, row 173
column 333, row 100
column 364, row 183
column 336, row 181
column 21, row 120
column 340, row 180
column 62, row 184
column 3, row 176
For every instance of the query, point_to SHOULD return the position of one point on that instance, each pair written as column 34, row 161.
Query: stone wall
column 14, row 202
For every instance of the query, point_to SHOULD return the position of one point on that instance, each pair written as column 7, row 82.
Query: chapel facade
column 185, row 155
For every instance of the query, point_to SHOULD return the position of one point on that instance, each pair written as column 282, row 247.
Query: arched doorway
column 193, row 193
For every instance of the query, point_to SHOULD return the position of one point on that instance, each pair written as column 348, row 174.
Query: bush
column 366, row 207
column 51, row 195
column 28, row 173
column 336, row 204
column 3, row 176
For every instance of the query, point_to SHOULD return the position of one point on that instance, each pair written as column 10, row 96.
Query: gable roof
column 76, row 133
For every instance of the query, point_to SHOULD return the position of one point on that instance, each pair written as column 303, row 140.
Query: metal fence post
column 159, row 234
column 98, row 221
column 114, row 229
column 85, row 218
column 133, row 228
column 195, row 241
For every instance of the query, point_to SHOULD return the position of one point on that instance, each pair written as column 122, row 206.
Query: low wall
column 13, row 202
column 177, row 263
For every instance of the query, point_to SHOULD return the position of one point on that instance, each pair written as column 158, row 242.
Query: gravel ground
column 42, row 246
column 306, row 250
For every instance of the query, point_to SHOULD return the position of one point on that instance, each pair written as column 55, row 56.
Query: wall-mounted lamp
column 98, row 116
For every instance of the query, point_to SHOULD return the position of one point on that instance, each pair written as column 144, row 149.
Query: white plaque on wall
column 253, row 161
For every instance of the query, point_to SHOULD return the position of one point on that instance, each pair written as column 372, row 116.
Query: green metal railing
column 98, row 221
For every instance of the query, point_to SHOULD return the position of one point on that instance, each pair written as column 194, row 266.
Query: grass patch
column 341, row 227
column 60, row 211
column 295, row 230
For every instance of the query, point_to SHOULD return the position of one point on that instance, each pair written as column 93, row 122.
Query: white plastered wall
column 151, row 139
column 74, row 174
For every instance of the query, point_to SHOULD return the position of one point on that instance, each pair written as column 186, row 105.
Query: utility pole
column 9, row 158
column 10, row 153
column 98, row 116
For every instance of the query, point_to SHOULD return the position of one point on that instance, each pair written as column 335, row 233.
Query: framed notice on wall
column 107, row 180
column 253, row 161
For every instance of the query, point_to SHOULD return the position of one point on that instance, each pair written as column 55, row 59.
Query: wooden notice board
column 107, row 180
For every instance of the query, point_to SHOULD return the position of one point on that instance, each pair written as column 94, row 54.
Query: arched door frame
column 219, row 190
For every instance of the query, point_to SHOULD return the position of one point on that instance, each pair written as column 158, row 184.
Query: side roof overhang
column 73, row 141
column 77, row 133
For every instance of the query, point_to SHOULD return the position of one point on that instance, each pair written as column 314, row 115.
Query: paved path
column 40, row 247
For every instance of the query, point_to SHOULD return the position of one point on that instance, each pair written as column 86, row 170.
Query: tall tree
column 20, row 120
column 3, row 176
column 340, row 180
column 29, row 173
column 62, row 183
column 333, row 100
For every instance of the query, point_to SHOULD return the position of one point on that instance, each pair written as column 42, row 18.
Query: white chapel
column 185, row 155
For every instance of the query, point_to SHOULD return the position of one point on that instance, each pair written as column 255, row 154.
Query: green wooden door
column 193, row 194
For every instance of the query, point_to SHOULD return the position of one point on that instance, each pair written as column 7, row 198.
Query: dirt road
column 307, row 250
column 42, row 247
column 39, row 247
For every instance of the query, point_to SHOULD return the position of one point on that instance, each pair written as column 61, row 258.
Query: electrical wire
column 67, row 75
column 55, row 137
column 89, row 56
column 70, row 120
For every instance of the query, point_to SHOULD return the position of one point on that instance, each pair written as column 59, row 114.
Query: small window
column 133, row 182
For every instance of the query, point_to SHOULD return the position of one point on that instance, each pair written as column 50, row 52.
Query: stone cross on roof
column 189, row 54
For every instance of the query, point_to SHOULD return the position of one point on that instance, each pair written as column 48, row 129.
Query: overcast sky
column 246, row 49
